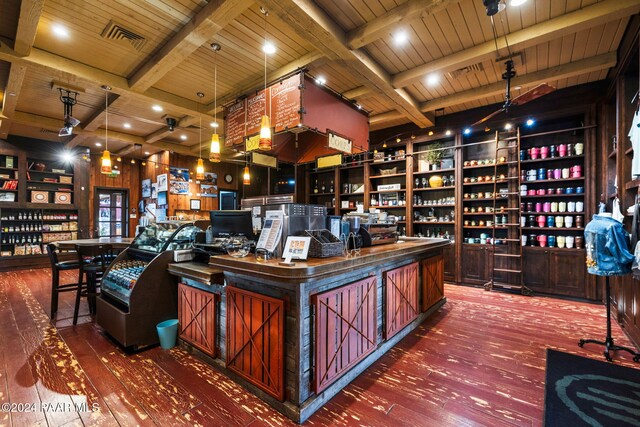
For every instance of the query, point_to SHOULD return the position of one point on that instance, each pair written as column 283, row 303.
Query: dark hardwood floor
column 479, row 361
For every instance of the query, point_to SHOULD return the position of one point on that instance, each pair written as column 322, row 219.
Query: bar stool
column 56, row 267
column 93, row 261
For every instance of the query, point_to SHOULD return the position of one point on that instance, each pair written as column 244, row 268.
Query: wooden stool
column 99, row 257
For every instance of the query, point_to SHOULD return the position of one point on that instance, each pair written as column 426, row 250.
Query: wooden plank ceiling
column 162, row 56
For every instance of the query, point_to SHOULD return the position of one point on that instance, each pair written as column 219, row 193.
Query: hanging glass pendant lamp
column 200, row 164
column 105, row 165
column 265, row 143
column 214, row 151
column 246, row 176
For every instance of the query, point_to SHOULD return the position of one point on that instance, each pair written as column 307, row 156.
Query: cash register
column 225, row 227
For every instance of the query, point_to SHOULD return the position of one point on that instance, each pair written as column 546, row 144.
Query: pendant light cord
column 106, row 119
column 264, row 48
column 215, row 88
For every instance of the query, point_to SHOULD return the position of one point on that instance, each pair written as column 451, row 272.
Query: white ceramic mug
column 562, row 206
column 554, row 206
column 559, row 221
column 524, row 240
column 578, row 147
column 579, row 206
column 571, row 206
column 566, row 172
column 523, row 222
column 569, row 242
column 568, row 221
column 561, row 241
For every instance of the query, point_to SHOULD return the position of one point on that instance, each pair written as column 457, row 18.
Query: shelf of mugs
column 558, row 221
column 484, row 209
column 549, row 174
column 552, row 241
column 554, row 196
column 551, row 159
column 488, row 165
column 552, row 213
column 554, row 228
column 434, row 171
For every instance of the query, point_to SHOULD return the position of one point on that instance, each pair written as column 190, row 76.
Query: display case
column 137, row 292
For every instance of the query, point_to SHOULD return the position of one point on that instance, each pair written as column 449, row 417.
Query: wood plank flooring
column 478, row 361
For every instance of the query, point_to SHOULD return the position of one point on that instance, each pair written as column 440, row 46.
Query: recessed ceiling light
column 98, row 144
column 60, row 31
column 146, row 153
column 157, row 108
column 508, row 126
column 467, row 131
column 321, row 80
column 448, row 133
column 127, row 125
column 214, row 124
column 269, row 48
column 517, row 2
column 433, row 79
column 183, row 137
column 530, row 122
column 400, row 38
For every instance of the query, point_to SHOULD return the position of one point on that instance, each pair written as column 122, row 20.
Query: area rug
column 587, row 392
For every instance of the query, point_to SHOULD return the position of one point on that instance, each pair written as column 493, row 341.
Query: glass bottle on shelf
column 315, row 188
column 323, row 189
column 331, row 188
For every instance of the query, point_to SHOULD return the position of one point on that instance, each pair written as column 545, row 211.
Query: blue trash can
column 168, row 333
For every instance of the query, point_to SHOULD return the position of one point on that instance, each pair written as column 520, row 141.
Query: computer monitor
column 231, row 223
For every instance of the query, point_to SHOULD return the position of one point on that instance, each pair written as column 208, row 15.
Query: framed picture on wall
column 154, row 190
column 194, row 204
column 179, row 187
column 146, row 188
column 179, row 174
column 209, row 191
column 163, row 182
column 162, row 198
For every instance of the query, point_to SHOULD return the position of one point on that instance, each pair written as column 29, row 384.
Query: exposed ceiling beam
column 38, row 121
column 30, row 11
column 587, row 17
column 128, row 149
column 157, row 135
column 564, row 71
column 10, row 96
column 84, row 75
column 305, row 17
column 213, row 17
column 356, row 92
column 380, row 26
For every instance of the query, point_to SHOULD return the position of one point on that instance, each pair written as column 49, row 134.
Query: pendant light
column 105, row 167
column 214, row 152
column 246, row 175
column 200, row 165
column 265, row 126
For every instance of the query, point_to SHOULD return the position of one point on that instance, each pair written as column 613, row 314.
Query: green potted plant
column 434, row 155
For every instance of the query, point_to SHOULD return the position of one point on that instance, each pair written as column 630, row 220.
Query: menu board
column 286, row 103
column 256, row 105
column 235, row 123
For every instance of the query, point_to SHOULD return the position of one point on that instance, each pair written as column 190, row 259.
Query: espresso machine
column 296, row 218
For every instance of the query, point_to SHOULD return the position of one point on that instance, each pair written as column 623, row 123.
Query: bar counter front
column 297, row 335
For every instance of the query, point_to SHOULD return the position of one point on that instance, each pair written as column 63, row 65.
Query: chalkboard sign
column 255, row 110
column 285, row 103
column 235, row 123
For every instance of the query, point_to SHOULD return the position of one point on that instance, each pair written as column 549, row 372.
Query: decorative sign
column 264, row 160
column 338, row 142
column 328, row 161
column 252, row 143
column 256, row 106
column 234, row 123
column 286, row 103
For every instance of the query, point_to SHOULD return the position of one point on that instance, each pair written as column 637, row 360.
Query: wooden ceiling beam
column 383, row 24
column 10, row 96
column 38, row 121
column 385, row 117
column 30, row 12
column 213, row 17
column 581, row 19
column 84, row 75
column 305, row 17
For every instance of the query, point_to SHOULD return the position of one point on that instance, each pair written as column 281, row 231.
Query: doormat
column 587, row 392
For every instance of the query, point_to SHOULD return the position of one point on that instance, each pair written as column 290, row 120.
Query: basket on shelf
column 390, row 171
column 323, row 244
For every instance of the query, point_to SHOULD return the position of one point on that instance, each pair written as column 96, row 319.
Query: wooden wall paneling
column 81, row 197
column 432, row 283
column 255, row 339
column 401, row 298
column 345, row 329
column 197, row 316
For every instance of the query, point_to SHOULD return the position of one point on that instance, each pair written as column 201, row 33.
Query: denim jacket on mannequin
column 607, row 245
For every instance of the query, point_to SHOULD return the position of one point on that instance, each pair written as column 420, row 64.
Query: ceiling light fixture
column 200, row 164
column 508, row 126
column 98, row 144
column 157, row 108
column 433, row 79
column 517, row 2
column 60, row 31
column 105, row 165
column 183, row 137
column 430, row 133
column 448, row 132
column 126, row 125
column 265, row 125
column 400, row 38
column 246, row 175
column 214, row 150
column 321, row 80
column 268, row 48
column 530, row 122
column 467, row 131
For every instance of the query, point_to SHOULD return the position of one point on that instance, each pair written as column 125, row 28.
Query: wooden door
column 535, row 263
column 111, row 207
column 567, row 272
column 449, row 253
column 474, row 266
column 197, row 317
column 345, row 329
column 432, row 270
column 401, row 302
column 255, row 339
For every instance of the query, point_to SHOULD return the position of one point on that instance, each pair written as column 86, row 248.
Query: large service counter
column 297, row 335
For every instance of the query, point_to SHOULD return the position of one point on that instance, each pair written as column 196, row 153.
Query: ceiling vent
column 115, row 31
column 471, row 69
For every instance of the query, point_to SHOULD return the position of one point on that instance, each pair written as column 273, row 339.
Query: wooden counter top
column 318, row 267
column 197, row 271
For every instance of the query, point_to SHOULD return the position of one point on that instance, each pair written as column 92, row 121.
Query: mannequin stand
column 608, row 341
